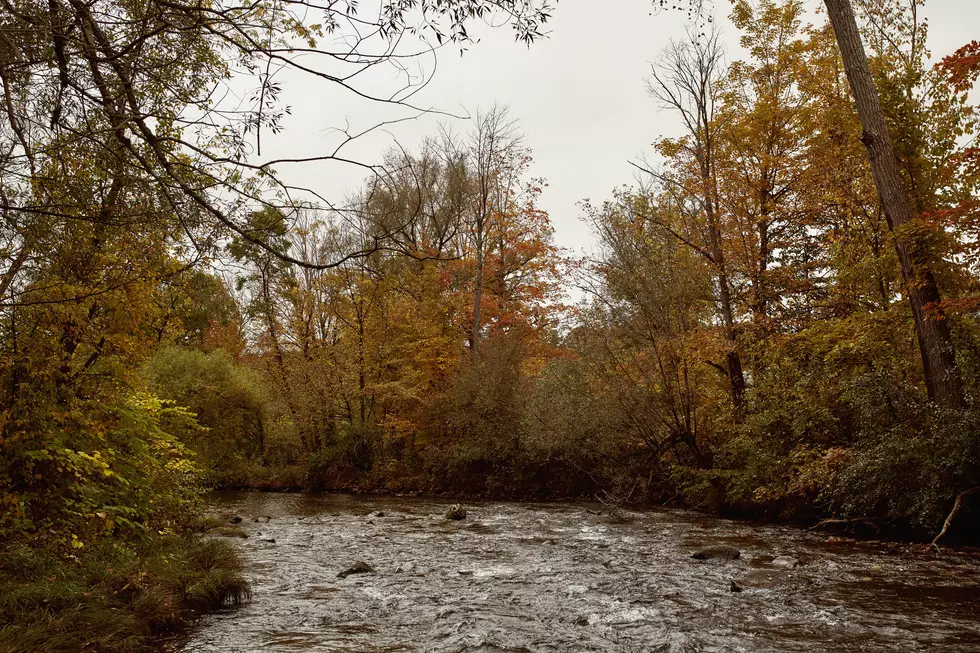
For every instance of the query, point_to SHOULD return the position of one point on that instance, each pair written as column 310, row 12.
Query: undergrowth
column 113, row 597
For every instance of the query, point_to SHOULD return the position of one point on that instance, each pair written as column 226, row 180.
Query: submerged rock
column 235, row 520
column 359, row 567
column 262, row 520
column 785, row 562
column 456, row 512
column 718, row 553
column 762, row 578
column 735, row 587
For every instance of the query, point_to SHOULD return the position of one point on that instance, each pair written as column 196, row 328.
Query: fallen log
column 952, row 514
column 857, row 520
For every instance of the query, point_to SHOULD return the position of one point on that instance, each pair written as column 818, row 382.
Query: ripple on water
column 547, row 578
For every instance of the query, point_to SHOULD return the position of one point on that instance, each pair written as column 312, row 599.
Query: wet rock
column 270, row 540
column 582, row 621
column 735, row 587
column 718, row 553
column 262, row 520
column 785, row 562
column 230, row 531
column 456, row 512
column 762, row 578
column 235, row 520
column 409, row 568
column 377, row 513
column 359, row 567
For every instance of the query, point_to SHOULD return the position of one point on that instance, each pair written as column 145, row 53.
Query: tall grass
column 114, row 597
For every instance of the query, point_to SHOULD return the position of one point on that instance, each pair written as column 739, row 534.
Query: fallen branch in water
column 613, row 503
column 856, row 520
column 952, row 514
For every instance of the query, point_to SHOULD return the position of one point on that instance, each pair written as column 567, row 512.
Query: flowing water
column 555, row 577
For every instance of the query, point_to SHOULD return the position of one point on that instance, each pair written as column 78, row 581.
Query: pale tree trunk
column 935, row 342
column 494, row 144
column 478, row 295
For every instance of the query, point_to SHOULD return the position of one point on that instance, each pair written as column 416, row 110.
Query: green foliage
column 910, row 458
column 112, row 596
column 229, row 402
column 98, row 469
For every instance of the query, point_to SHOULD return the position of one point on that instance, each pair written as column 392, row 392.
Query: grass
column 114, row 597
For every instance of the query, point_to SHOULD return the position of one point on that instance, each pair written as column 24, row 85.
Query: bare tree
column 686, row 82
column 494, row 144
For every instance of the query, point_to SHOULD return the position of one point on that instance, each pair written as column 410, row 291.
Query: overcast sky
column 579, row 95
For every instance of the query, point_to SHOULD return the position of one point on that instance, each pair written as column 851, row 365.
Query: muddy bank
column 553, row 577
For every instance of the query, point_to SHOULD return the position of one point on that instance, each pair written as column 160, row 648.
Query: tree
column 935, row 340
column 142, row 85
column 936, row 346
column 687, row 82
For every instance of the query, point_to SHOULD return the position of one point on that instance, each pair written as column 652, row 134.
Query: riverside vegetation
column 767, row 329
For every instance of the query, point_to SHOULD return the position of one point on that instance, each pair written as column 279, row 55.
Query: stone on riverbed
column 359, row 567
column 762, row 578
column 235, row 520
column 456, row 512
column 718, row 553
column 785, row 562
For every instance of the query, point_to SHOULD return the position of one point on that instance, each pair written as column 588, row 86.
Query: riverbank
column 113, row 597
column 802, row 511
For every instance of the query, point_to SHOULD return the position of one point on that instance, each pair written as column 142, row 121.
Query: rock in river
column 785, row 562
column 456, row 512
column 359, row 567
column 718, row 553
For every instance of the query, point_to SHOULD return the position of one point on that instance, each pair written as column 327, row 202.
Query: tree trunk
column 733, row 361
column 477, row 298
column 935, row 342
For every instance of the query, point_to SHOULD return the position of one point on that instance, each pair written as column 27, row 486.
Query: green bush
column 910, row 458
column 229, row 400
column 95, row 469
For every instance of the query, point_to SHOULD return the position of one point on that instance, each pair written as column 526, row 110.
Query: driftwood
column 612, row 503
column 856, row 520
column 952, row 513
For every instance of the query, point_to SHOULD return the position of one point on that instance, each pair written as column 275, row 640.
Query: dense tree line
column 127, row 168
column 759, row 334
column 780, row 319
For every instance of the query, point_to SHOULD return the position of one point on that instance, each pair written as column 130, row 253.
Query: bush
column 229, row 400
column 97, row 469
column 910, row 459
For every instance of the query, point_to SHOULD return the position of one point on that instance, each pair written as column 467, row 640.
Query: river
column 554, row 577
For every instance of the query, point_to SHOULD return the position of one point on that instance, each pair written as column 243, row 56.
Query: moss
column 113, row 597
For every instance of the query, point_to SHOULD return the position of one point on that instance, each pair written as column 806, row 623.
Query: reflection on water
column 543, row 578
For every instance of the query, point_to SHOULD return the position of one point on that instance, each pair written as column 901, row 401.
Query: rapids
column 555, row 577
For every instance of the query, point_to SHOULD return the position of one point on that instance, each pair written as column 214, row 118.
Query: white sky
column 579, row 96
